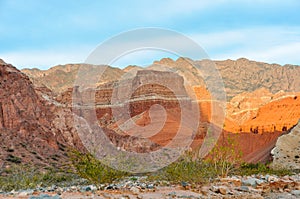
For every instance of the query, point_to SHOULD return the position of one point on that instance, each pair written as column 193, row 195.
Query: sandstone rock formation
column 137, row 96
column 286, row 153
column 261, row 111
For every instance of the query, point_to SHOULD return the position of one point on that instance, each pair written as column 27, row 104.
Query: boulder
column 286, row 153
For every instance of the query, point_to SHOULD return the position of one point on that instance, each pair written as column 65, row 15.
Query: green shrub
column 92, row 169
column 18, row 177
column 260, row 168
column 185, row 169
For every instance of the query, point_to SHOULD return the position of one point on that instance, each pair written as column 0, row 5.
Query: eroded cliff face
column 258, row 117
column 28, row 133
column 132, row 99
column 286, row 153
column 261, row 111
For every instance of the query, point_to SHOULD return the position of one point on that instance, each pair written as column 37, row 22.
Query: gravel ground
column 255, row 186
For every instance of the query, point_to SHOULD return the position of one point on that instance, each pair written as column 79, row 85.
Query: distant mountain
column 244, row 75
column 60, row 78
column 239, row 76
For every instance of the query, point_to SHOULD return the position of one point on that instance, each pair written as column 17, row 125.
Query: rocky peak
column 164, row 61
column 2, row 62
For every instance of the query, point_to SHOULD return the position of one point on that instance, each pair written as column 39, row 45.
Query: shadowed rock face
column 28, row 133
column 286, row 153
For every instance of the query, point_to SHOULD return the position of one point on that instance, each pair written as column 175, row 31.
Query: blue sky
column 42, row 33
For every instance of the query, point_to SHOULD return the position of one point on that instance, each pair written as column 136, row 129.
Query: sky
column 42, row 33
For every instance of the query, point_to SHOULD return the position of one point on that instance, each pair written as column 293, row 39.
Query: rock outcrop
column 28, row 133
column 261, row 111
column 286, row 153
column 137, row 96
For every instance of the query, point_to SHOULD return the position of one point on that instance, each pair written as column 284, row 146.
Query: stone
column 249, row 182
column 223, row 190
column 244, row 188
column 235, row 181
column 135, row 190
column 45, row 196
column 214, row 189
column 150, row 186
column 172, row 194
column 286, row 153
column 259, row 182
column 296, row 192
column 25, row 192
column 204, row 190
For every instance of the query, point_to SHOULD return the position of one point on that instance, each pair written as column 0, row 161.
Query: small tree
column 225, row 157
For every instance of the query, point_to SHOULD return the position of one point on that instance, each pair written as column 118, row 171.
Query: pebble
column 249, row 182
column 25, row 192
column 223, row 190
column 204, row 190
column 45, row 196
column 244, row 188
column 135, row 190
column 296, row 192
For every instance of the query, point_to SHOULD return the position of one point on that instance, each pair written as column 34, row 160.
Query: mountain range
column 37, row 121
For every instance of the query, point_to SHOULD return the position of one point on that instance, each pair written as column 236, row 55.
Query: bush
column 18, row 177
column 92, row 169
column 259, row 168
column 186, row 170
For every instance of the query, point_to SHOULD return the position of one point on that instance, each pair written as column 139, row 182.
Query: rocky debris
column 286, row 153
column 255, row 186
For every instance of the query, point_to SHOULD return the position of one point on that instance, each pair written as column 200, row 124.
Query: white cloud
column 280, row 54
column 153, row 39
column 269, row 44
column 45, row 59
